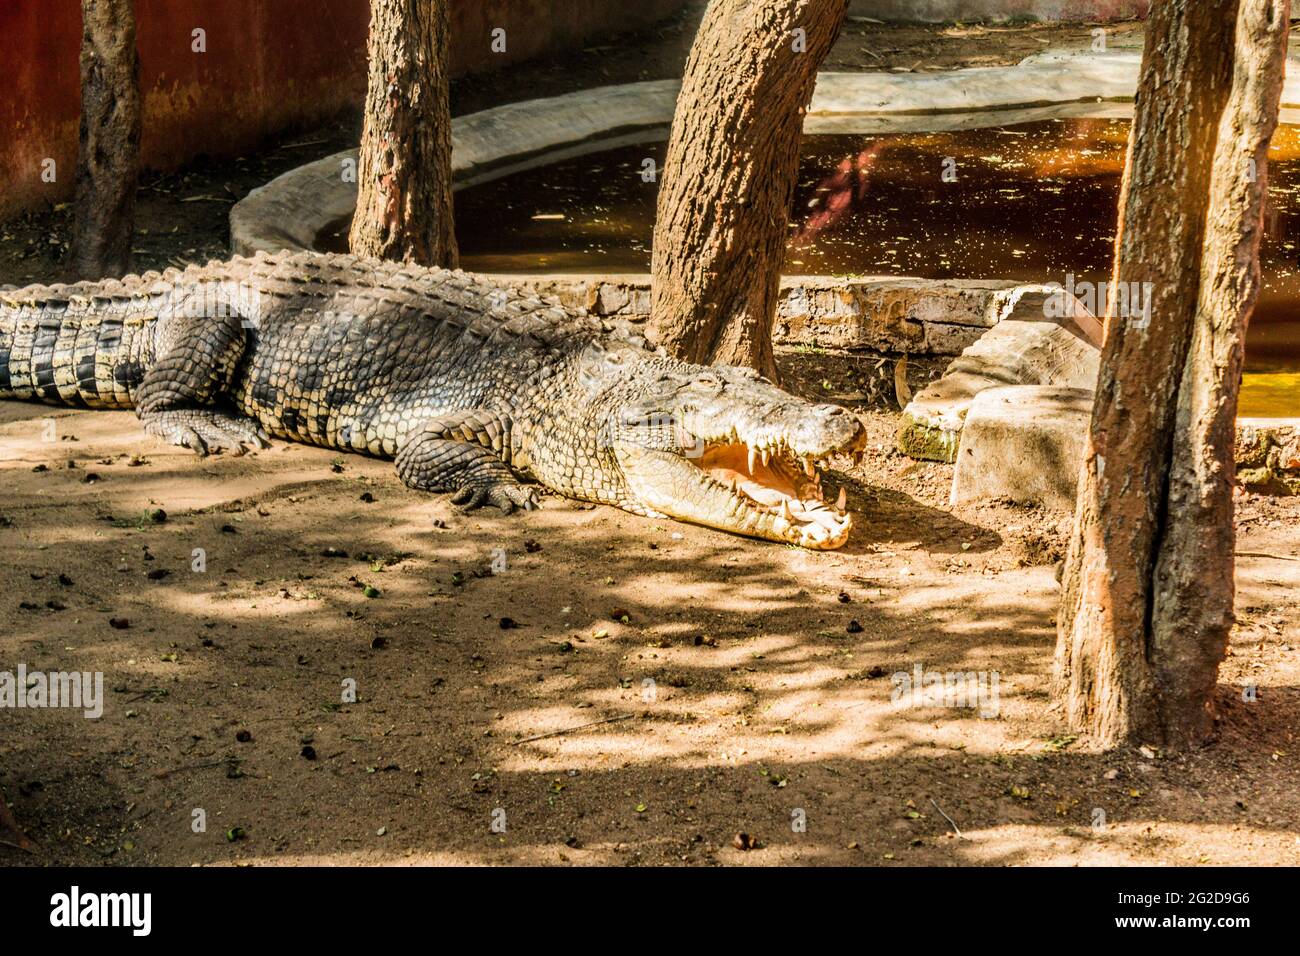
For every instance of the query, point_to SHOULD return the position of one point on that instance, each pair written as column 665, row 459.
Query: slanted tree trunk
column 109, row 146
column 727, row 185
column 1148, row 584
column 404, row 206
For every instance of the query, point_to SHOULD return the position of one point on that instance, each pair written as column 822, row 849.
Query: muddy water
column 1034, row 202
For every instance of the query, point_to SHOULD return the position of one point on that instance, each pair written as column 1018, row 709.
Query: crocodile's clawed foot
column 504, row 495
column 204, row 431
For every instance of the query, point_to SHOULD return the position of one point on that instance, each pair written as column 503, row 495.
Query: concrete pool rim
column 293, row 210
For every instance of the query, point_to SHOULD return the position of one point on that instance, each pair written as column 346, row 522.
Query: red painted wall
column 269, row 65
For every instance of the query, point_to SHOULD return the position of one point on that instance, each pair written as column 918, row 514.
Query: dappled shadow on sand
column 681, row 685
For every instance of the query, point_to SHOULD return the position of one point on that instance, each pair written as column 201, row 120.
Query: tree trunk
column 109, row 148
column 404, row 205
column 733, row 159
column 1148, row 584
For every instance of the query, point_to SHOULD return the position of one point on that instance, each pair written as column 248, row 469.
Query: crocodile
column 473, row 389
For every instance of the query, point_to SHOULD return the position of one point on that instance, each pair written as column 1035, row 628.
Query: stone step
column 1027, row 443
column 1044, row 336
column 1024, row 443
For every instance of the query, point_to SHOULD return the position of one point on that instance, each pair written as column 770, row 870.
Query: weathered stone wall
column 1268, row 455
column 882, row 313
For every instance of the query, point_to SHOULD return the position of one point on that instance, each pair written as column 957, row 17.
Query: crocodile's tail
column 86, row 344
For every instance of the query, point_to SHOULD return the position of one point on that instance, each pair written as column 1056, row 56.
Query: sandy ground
column 740, row 694
column 696, row 686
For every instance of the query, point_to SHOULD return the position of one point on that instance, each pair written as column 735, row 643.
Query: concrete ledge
column 1025, row 347
column 941, row 11
column 1049, row 77
column 1025, row 443
column 1027, row 380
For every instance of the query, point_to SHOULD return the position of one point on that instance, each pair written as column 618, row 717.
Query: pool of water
column 1033, row 202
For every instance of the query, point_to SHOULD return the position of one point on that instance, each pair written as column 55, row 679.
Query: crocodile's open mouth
column 761, row 488
column 781, row 490
column 722, row 447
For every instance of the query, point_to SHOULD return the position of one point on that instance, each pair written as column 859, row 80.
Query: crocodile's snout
column 825, row 428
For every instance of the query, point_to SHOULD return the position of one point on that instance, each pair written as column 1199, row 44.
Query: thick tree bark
column 109, row 150
column 733, row 159
column 404, row 206
column 1148, row 583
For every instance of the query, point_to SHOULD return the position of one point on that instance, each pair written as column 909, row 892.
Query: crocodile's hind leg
column 465, row 453
column 193, row 369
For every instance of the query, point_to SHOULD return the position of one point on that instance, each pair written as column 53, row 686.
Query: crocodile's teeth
column 842, row 501
column 767, row 455
column 785, row 510
column 753, row 455
column 808, row 468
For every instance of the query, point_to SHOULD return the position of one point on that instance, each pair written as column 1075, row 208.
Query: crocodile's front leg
column 466, row 453
column 194, row 368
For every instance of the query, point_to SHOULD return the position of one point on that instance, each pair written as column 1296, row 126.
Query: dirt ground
column 772, row 670
column 768, row 711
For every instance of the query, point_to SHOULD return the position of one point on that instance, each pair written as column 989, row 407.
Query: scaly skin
column 473, row 390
